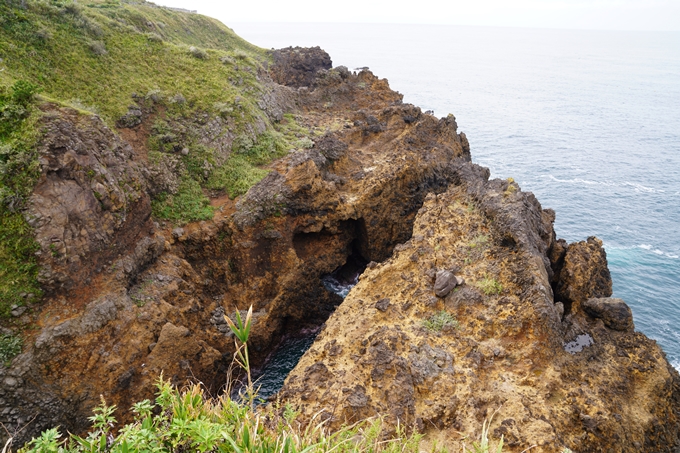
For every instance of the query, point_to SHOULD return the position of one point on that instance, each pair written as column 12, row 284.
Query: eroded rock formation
column 129, row 298
column 502, row 352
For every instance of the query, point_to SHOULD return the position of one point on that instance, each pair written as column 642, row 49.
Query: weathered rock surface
column 90, row 205
column 581, row 272
column 615, row 313
column 507, row 356
column 297, row 66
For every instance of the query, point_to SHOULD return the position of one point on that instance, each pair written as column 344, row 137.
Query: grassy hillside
column 96, row 54
column 103, row 56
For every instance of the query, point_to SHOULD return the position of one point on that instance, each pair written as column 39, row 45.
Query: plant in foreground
column 484, row 446
column 189, row 421
column 241, row 330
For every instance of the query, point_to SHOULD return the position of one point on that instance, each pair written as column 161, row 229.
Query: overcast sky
column 574, row 14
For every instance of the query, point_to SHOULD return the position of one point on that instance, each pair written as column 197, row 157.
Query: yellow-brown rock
column 503, row 356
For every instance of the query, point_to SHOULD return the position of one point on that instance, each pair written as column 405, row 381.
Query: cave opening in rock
column 343, row 279
column 300, row 337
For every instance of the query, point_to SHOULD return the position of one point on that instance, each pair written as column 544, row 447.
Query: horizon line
column 450, row 25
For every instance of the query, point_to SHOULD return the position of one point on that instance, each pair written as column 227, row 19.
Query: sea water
column 587, row 120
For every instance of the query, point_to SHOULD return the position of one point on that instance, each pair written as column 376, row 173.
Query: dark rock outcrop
column 298, row 66
column 615, row 313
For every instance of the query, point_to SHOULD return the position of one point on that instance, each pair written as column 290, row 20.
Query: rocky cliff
column 495, row 343
column 469, row 305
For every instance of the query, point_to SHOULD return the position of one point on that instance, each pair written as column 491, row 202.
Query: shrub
column 439, row 320
column 73, row 9
column 227, row 60
column 489, row 286
column 98, row 48
column 305, row 143
column 15, row 106
column 198, row 53
column 19, row 170
column 10, row 347
column 269, row 145
column 154, row 37
column 190, row 421
column 236, row 176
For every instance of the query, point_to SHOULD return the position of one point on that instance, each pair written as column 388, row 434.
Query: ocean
column 589, row 121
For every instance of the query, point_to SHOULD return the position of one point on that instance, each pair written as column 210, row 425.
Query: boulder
column 615, row 313
column 444, row 283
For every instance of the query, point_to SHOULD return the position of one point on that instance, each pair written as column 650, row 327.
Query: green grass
column 189, row 203
column 489, row 286
column 296, row 136
column 96, row 55
column 236, row 176
column 51, row 44
column 439, row 320
column 268, row 146
column 10, row 347
column 189, row 421
column 19, row 172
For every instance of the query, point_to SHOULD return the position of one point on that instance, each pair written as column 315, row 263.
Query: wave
column 646, row 247
column 580, row 181
column 636, row 186
column 657, row 251
column 640, row 188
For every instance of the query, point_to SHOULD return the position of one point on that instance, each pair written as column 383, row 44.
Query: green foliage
column 10, row 347
column 15, row 104
column 484, row 445
column 189, row 421
column 19, row 171
column 18, row 266
column 241, row 330
column 236, row 176
column 188, row 204
column 268, row 146
column 489, row 286
column 439, row 320
column 293, row 133
column 101, row 52
column 199, row 162
column 240, row 172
